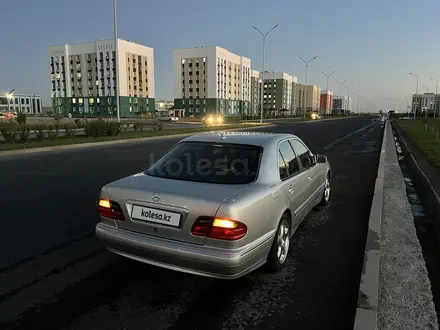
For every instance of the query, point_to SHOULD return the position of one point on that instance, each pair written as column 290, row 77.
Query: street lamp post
column 427, row 92
column 305, row 86
column 348, row 97
column 262, row 69
column 436, row 96
column 358, row 93
column 417, row 91
column 340, row 93
column 328, row 77
column 116, row 61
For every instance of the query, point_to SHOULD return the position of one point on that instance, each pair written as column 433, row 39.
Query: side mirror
column 321, row 159
column 313, row 159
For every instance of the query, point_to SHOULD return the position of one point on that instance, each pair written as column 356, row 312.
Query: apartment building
column 427, row 102
column 326, row 104
column 255, row 93
column 212, row 80
column 309, row 98
column 278, row 93
column 22, row 103
column 83, row 78
column 341, row 104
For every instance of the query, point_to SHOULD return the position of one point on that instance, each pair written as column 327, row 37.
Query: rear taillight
column 218, row 228
column 110, row 209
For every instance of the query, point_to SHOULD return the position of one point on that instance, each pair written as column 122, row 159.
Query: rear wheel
column 326, row 194
column 280, row 246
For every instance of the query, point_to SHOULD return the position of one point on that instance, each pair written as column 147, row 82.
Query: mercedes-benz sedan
column 216, row 204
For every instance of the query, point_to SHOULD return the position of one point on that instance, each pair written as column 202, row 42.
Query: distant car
column 166, row 116
column 216, row 204
column 9, row 115
column 212, row 120
column 312, row 115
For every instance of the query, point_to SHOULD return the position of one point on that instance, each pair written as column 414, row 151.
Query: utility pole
column 116, row 61
column 305, row 97
column 262, row 69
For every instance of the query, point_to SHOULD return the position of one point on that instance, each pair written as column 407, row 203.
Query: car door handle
column 291, row 189
column 310, row 178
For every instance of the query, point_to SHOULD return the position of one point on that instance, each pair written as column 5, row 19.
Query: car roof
column 249, row 138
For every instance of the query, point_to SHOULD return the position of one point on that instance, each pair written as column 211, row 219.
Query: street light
column 9, row 98
column 262, row 68
column 348, row 97
column 340, row 93
column 305, row 86
column 116, row 61
column 359, row 95
column 417, row 91
column 328, row 77
column 436, row 95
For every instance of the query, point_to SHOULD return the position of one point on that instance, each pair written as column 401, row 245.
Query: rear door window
column 302, row 152
column 289, row 158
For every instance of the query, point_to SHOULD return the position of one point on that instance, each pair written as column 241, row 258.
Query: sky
column 373, row 44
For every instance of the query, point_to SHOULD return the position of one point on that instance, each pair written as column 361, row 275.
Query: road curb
column 368, row 298
column 115, row 142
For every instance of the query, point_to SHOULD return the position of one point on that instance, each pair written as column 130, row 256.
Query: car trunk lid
column 165, row 207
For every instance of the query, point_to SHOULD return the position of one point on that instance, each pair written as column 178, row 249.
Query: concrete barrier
column 394, row 291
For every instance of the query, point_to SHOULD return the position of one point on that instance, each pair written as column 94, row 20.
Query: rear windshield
column 210, row 163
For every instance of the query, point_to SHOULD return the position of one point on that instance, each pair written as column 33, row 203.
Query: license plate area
column 156, row 216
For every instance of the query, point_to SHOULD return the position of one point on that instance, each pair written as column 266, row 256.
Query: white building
column 83, row 78
column 427, row 102
column 211, row 79
column 24, row 103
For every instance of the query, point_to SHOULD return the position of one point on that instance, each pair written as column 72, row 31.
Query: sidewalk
column 395, row 291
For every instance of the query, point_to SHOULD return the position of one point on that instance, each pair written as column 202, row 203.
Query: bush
column 69, row 130
column 52, row 131
column 138, row 127
column 24, row 133
column 158, row 126
column 95, row 128
column 113, row 128
column 39, row 131
column 9, row 131
column 21, row 118
column 78, row 122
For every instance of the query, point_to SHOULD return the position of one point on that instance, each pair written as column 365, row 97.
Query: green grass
column 4, row 146
column 426, row 135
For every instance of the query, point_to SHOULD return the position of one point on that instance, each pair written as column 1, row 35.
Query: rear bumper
column 186, row 257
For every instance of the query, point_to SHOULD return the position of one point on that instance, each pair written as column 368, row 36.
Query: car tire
column 326, row 193
column 280, row 247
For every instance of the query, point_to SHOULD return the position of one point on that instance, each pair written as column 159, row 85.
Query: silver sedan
column 216, row 204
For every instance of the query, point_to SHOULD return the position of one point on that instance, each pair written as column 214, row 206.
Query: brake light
column 225, row 229
column 110, row 209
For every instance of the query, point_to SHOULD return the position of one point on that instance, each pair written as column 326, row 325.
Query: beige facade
column 309, row 97
column 212, row 79
column 136, row 67
column 90, row 69
column 194, row 77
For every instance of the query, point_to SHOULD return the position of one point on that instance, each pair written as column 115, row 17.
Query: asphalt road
column 47, row 247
